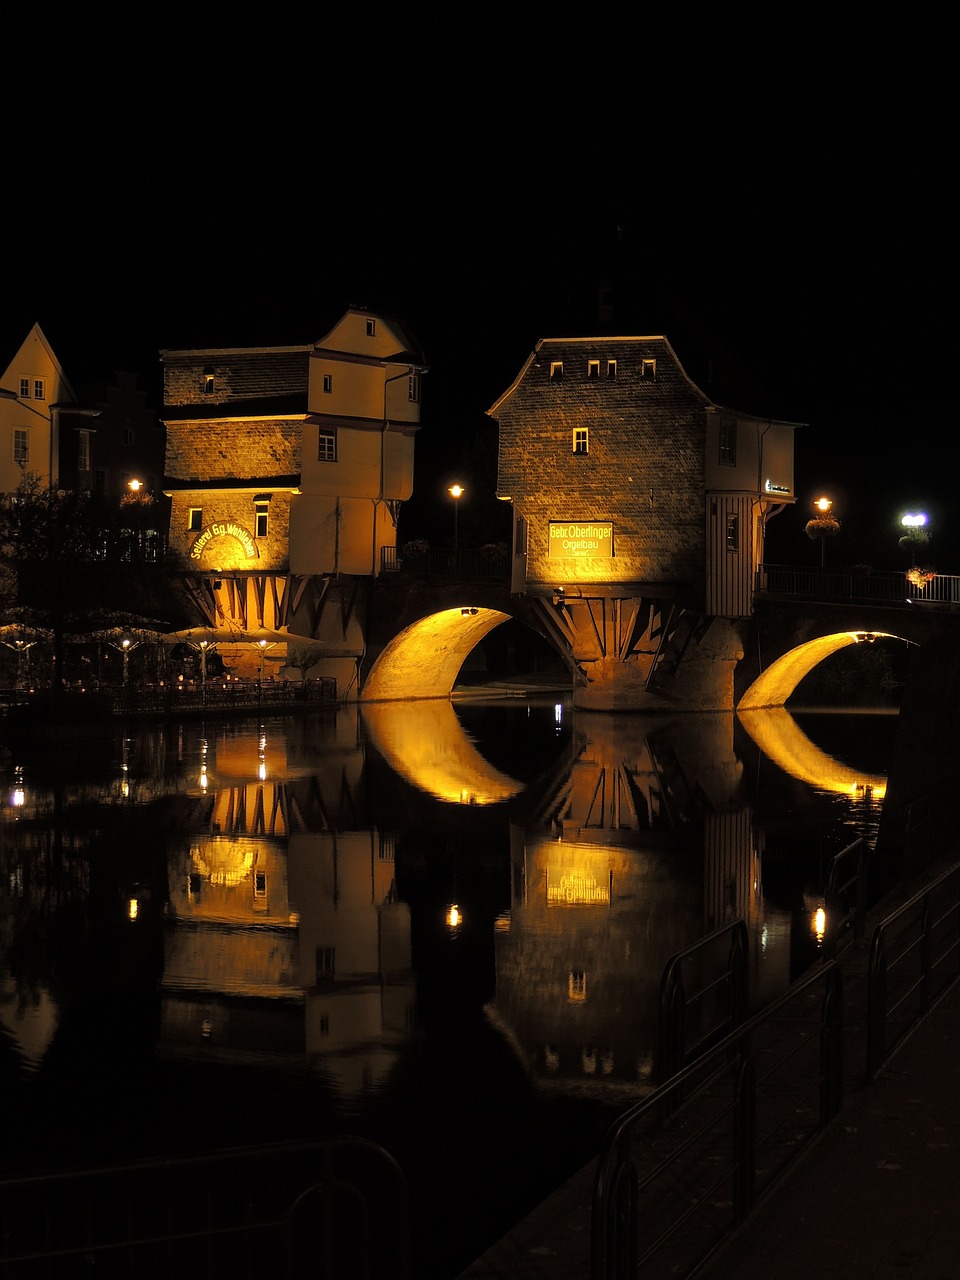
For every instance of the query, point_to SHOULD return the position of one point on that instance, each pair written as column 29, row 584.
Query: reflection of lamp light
column 18, row 796
column 820, row 922
column 133, row 909
column 454, row 918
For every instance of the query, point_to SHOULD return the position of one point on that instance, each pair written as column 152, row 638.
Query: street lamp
column 823, row 525
column 916, row 534
column 456, row 493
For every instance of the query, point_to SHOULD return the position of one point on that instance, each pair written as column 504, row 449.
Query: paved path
column 876, row 1198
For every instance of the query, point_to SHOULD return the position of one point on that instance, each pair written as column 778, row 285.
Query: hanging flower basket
column 920, row 577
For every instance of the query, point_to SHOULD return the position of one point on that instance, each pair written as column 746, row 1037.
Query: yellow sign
column 224, row 529
column 592, row 540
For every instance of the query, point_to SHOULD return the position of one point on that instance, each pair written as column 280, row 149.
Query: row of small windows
column 606, row 368
column 261, row 519
column 728, row 442
column 33, row 389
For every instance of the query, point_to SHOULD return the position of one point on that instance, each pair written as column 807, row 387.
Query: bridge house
column 640, row 506
column 286, row 467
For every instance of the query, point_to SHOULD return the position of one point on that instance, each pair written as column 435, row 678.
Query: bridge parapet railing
column 881, row 586
column 444, row 562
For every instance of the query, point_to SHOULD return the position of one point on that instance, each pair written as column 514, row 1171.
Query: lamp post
column 914, row 525
column 456, row 493
column 823, row 525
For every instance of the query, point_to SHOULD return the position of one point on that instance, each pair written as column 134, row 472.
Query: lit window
column 648, row 368
column 39, row 389
column 194, row 519
column 413, row 390
column 208, row 382
column 261, row 518
column 24, row 388
column 611, row 368
column 728, row 443
column 556, row 370
column 576, row 985
column 593, row 368
column 83, row 451
column 581, row 440
column 327, row 447
column 21, row 446
column 327, row 383
column 371, row 328
column 733, row 533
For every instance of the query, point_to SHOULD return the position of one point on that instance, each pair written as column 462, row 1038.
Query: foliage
column 822, row 527
column 920, row 577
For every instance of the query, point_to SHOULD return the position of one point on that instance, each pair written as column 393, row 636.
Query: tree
column 69, row 566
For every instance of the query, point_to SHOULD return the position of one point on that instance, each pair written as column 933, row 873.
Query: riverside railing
column 673, row 1181
column 325, row 1209
column 488, row 563
column 879, row 587
column 914, row 958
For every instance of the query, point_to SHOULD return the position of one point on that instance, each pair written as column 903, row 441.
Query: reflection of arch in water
column 779, row 737
column 424, row 659
column 775, row 685
column 425, row 743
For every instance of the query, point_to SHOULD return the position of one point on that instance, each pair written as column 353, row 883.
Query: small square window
column 24, row 388
column 327, row 445
column 327, row 383
column 581, row 440
column 371, row 328
column 648, row 368
column 194, row 519
column 39, row 389
column 593, row 368
column 611, row 368
column 556, row 370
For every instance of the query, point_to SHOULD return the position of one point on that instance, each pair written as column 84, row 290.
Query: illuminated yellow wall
column 35, row 359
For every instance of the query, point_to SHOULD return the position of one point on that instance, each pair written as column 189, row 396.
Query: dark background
column 780, row 207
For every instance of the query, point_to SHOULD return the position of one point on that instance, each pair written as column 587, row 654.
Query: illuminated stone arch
column 424, row 659
column 774, row 686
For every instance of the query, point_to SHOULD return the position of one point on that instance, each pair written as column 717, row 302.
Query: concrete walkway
column 877, row 1197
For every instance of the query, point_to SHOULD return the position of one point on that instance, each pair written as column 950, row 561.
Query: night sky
column 787, row 233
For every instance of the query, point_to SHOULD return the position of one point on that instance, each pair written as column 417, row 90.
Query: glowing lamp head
column 454, row 918
column 823, row 504
column 913, row 519
column 456, row 491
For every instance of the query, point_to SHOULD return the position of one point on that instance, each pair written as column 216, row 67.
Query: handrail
column 908, row 970
column 686, row 1176
column 846, row 910
column 882, row 586
column 718, row 1003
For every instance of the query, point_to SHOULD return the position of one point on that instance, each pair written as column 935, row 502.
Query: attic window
column 371, row 328
column 581, row 440
column 648, row 368
column 208, row 383
column 593, row 368
column 611, row 368
column 261, row 511
column 556, row 370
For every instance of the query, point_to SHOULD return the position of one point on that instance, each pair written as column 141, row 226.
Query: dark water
column 286, row 970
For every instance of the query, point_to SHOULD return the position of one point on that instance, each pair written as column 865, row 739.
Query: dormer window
column 371, row 327
column 556, row 370
column 648, row 368
column 593, row 368
column 208, row 382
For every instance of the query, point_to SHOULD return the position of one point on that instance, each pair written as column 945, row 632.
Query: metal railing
column 914, row 958
column 703, row 995
column 447, row 563
column 672, row 1183
column 334, row 1210
column 845, row 899
column 880, row 587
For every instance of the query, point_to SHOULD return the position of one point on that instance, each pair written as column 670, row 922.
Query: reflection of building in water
column 285, row 929
column 645, row 848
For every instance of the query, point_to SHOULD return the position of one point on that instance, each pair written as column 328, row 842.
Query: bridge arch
column 777, row 682
column 424, row 659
